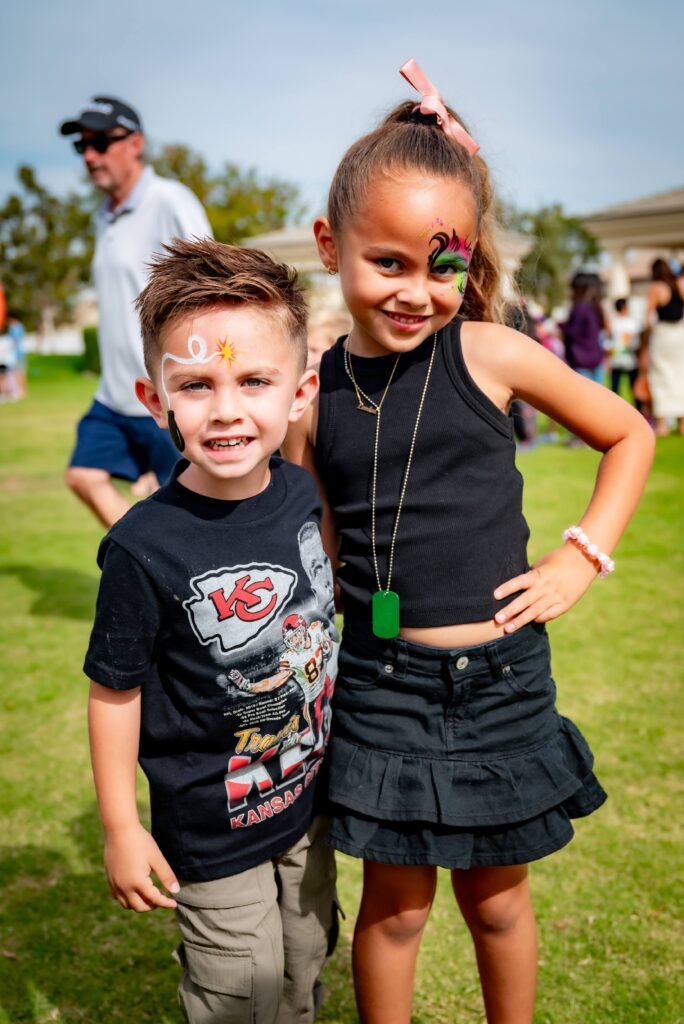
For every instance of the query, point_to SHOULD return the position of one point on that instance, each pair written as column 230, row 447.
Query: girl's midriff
column 464, row 634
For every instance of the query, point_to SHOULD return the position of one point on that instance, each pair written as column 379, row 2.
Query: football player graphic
column 307, row 648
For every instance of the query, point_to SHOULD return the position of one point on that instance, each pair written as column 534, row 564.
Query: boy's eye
column 194, row 385
column 254, row 382
column 388, row 263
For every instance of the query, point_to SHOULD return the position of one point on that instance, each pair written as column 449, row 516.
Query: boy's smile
column 403, row 259
column 231, row 376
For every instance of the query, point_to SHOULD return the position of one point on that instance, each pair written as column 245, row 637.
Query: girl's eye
column 194, row 385
column 444, row 269
column 388, row 263
column 254, row 382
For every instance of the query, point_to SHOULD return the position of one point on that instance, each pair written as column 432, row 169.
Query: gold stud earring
column 332, row 271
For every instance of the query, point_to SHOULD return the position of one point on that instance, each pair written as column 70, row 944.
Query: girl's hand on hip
column 553, row 584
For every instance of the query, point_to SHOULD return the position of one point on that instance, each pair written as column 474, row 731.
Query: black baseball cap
column 101, row 114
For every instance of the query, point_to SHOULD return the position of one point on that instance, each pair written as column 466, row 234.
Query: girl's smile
column 401, row 282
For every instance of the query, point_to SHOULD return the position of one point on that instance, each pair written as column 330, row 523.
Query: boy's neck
column 239, row 489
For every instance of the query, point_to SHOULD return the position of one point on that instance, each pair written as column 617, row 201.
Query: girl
column 447, row 748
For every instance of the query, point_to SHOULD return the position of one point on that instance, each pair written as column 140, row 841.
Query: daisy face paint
column 451, row 254
column 197, row 356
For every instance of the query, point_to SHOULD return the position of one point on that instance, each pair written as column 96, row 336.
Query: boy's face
column 232, row 378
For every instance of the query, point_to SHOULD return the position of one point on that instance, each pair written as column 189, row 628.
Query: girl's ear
column 327, row 247
column 146, row 393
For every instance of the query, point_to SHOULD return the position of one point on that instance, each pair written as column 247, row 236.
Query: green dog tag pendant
column 385, row 614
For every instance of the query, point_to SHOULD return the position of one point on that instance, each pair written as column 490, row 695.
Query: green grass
column 607, row 905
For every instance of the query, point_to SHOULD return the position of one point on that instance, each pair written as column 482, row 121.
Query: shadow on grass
column 61, row 592
column 70, row 954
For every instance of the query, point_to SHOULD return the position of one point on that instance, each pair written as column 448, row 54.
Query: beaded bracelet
column 577, row 535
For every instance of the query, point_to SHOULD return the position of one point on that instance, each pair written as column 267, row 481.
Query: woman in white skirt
column 665, row 328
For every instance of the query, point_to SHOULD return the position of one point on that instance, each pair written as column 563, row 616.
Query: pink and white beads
column 579, row 538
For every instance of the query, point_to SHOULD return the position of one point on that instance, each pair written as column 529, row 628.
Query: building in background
column 633, row 234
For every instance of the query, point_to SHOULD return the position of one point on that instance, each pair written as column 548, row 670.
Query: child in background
column 324, row 330
column 447, row 749
column 621, row 346
column 214, row 649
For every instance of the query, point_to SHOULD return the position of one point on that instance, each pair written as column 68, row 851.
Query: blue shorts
column 596, row 374
column 124, row 446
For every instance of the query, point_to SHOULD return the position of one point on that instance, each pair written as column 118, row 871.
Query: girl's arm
column 299, row 447
column 130, row 851
column 507, row 365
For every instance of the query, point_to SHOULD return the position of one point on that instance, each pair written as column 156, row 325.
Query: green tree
column 238, row 202
column 561, row 245
column 46, row 245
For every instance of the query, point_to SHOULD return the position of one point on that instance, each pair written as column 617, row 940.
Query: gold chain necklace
column 385, row 602
column 364, row 403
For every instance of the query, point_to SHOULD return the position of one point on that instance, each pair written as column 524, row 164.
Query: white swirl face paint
column 197, row 349
column 197, row 356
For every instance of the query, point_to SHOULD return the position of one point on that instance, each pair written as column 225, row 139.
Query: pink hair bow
column 432, row 103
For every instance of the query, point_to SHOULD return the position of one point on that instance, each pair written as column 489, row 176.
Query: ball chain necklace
column 385, row 602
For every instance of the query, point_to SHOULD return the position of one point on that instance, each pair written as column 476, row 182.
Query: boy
column 214, row 649
column 622, row 347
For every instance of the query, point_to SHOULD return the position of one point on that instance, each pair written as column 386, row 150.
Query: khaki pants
column 255, row 943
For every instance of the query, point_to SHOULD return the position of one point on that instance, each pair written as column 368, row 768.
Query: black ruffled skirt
column 454, row 757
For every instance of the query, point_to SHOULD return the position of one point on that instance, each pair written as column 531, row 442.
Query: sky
column 578, row 103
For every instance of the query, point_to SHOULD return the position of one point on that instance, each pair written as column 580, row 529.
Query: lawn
column 608, row 905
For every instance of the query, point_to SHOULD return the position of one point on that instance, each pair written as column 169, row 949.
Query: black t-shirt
column 223, row 613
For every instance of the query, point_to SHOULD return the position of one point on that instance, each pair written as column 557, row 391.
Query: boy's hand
column 130, row 856
column 553, row 584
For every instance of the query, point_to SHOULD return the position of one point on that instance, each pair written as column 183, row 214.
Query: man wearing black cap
column 141, row 211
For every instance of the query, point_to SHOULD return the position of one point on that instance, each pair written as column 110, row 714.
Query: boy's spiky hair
column 199, row 275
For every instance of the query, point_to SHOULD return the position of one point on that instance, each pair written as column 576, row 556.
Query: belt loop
column 401, row 655
column 494, row 659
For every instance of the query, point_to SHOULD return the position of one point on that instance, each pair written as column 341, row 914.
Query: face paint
column 454, row 253
column 227, row 351
column 174, row 431
column 437, row 222
column 197, row 349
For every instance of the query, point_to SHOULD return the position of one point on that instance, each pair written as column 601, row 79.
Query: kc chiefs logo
column 233, row 605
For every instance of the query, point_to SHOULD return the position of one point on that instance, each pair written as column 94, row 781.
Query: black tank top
column 672, row 311
column 462, row 530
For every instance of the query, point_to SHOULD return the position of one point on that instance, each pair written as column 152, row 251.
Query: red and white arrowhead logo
column 233, row 605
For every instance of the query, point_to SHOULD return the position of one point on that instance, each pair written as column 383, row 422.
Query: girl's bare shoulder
column 492, row 354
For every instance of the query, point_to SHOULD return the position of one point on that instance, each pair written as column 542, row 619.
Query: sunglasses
column 100, row 143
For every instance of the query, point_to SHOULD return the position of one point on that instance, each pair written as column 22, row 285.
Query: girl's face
column 403, row 260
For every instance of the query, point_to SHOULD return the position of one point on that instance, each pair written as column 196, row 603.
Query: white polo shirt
column 157, row 210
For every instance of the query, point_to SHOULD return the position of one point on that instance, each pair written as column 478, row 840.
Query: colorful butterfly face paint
column 454, row 253
column 197, row 349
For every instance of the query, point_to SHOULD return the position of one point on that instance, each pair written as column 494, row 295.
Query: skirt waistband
column 407, row 655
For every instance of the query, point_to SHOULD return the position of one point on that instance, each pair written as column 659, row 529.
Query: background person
column 582, row 331
column 141, row 212
column 621, row 346
column 664, row 341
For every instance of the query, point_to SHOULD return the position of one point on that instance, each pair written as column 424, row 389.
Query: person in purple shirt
column 582, row 330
